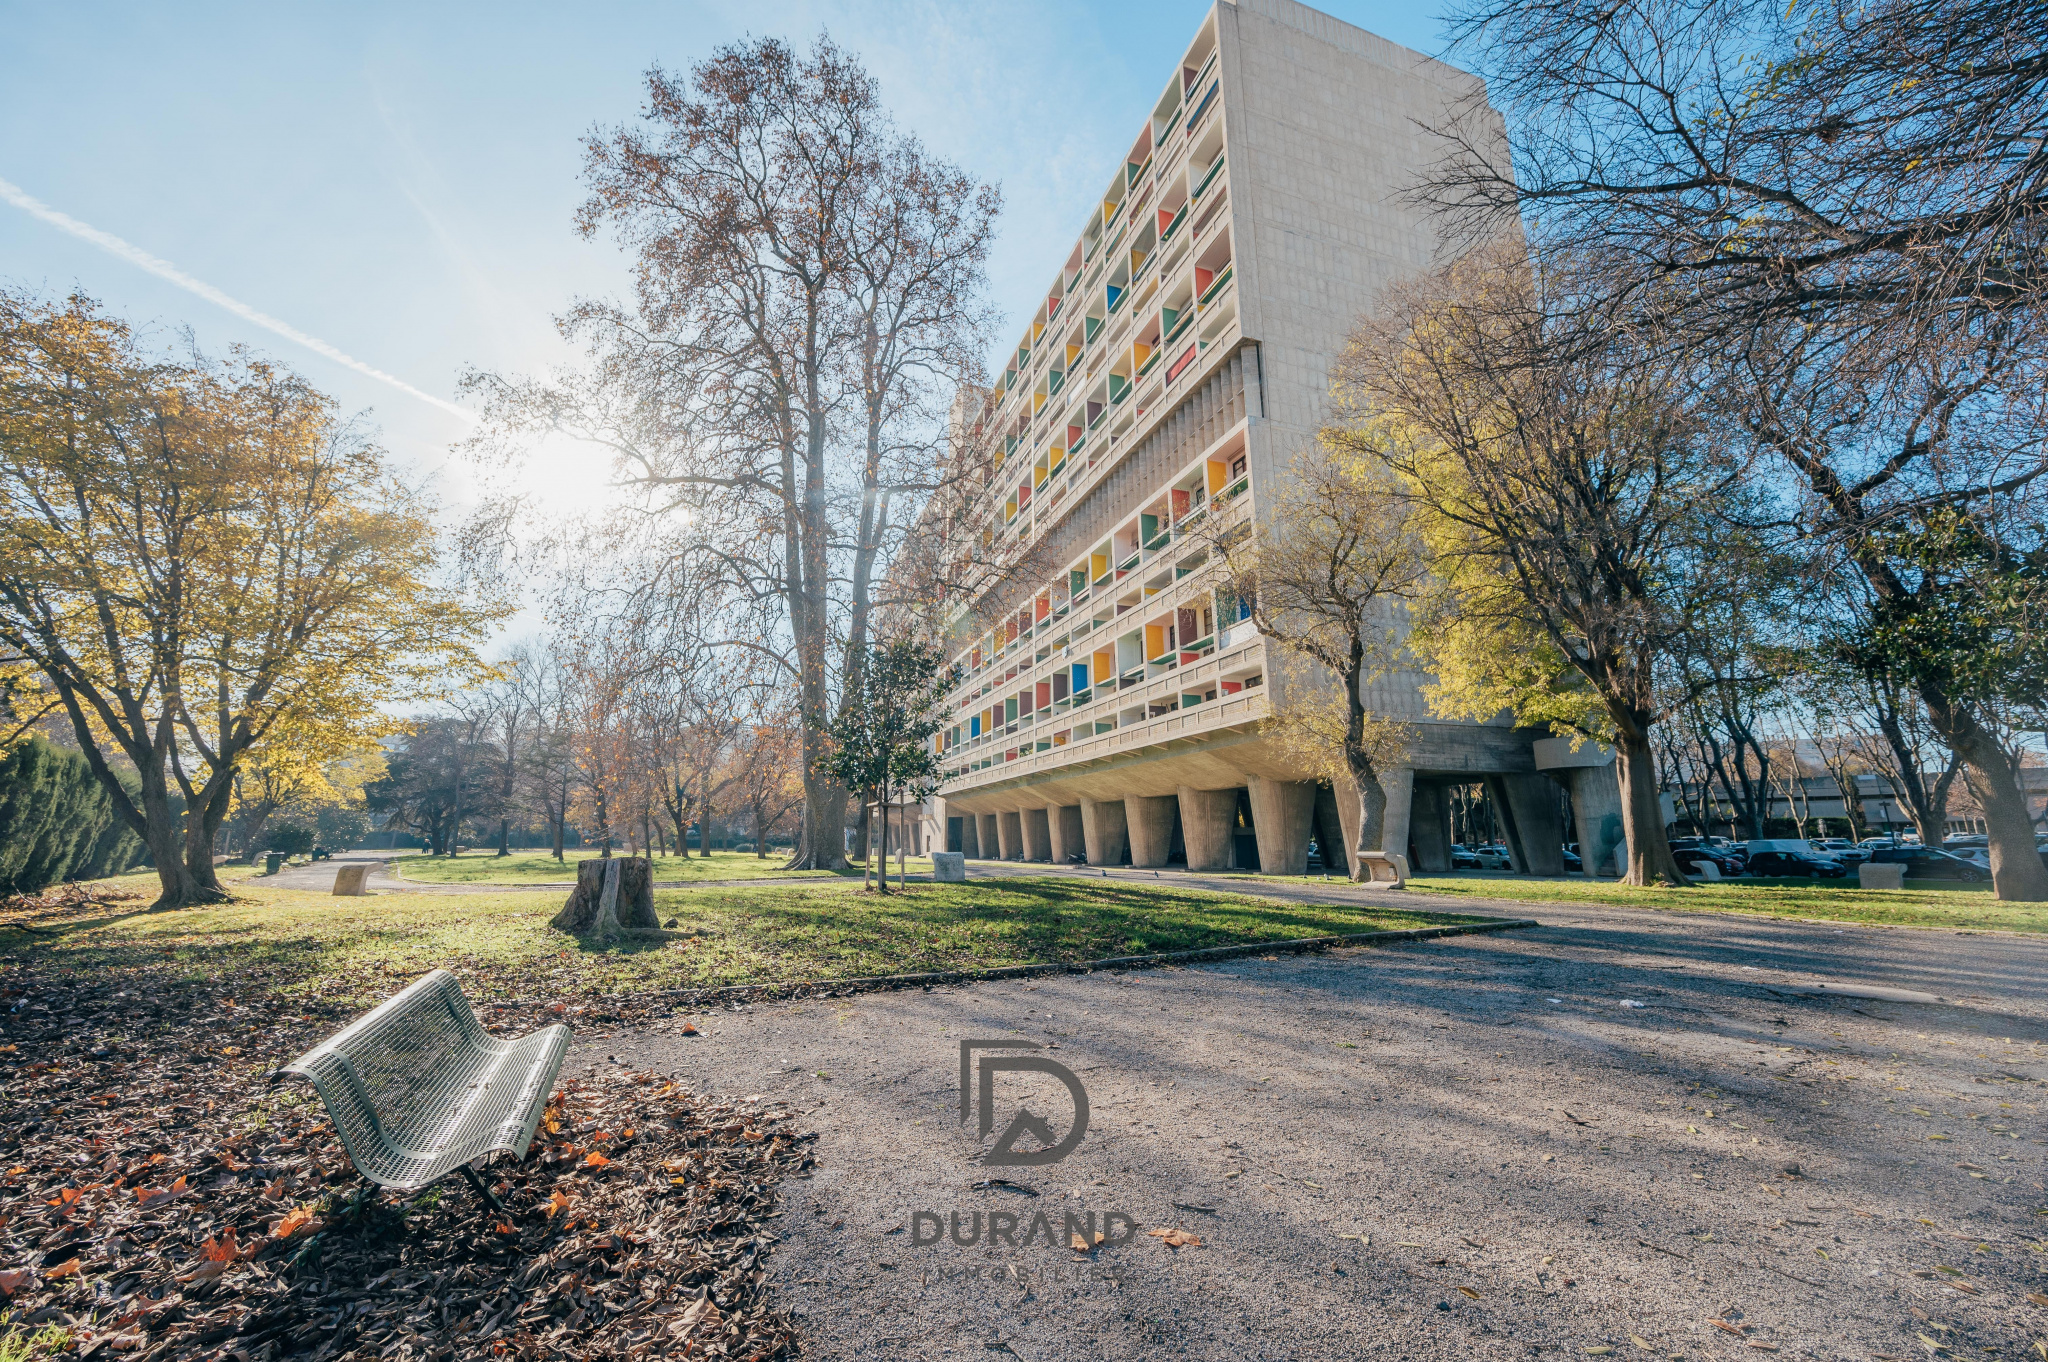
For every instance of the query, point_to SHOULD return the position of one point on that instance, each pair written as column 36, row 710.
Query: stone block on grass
column 1871, row 876
column 949, row 867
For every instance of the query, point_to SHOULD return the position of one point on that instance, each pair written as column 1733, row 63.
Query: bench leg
column 481, row 1190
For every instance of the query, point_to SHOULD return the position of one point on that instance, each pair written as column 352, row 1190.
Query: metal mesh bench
column 418, row 1089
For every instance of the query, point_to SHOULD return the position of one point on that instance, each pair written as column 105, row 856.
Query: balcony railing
column 1208, row 178
column 1174, row 225
column 1216, row 284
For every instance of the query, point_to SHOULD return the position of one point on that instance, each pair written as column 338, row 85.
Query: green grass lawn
column 538, row 867
column 351, row 949
column 1970, row 909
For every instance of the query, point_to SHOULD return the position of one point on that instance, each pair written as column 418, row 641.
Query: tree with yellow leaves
column 196, row 554
column 1570, row 493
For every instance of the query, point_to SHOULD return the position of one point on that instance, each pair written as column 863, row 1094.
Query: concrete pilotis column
column 1010, row 835
column 1037, row 835
column 1281, row 813
column 1104, row 831
column 991, row 836
column 1330, row 832
column 1429, row 828
column 1398, row 783
column 1151, row 827
column 1533, row 818
column 970, row 836
column 1063, row 821
column 1596, row 809
column 1208, row 824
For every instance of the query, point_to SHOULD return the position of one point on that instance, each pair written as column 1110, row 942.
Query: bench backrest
column 403, row 1077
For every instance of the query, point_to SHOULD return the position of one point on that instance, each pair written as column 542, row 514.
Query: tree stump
column 611, row 896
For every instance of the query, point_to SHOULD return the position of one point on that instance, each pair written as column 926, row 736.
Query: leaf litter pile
column 159, row 1199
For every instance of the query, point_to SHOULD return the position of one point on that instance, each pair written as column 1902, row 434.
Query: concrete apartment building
column 1112, row 693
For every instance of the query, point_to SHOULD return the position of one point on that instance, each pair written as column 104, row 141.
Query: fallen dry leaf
column 1724, row 1324
column 291, row 1222
column 596, row 1160
column 1470, row 1292
column 2037, row 1298
column 221, row 1250
column 1177, row 1238
column 61, row 1271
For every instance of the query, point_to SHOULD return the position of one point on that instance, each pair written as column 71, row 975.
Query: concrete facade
column 1179, row 362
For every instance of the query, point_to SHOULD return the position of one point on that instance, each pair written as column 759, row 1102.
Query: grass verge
column 1956, row 909
column 541, row 867
column 352, row 950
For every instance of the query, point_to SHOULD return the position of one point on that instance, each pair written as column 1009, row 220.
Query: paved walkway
column 1477, row 1147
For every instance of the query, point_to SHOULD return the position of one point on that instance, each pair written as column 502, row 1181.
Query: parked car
column 1572, row 864
column 1844, row 850
column 1690, row 858
column 1494, row 857
column 1729, row 857
column 1929, row 863
column 1796, row 857
column 1462, row 857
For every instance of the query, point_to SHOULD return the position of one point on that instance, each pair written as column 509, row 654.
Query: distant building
column 1820, row 797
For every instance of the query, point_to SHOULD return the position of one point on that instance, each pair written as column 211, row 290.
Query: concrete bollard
column 348, row 881
column 1705, row 870
column 1889, row 876
column 949, row 867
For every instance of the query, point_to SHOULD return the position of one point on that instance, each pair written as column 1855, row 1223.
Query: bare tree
column 802, row 271
column 1566, row 490
column 1838, row 210
column 1328, row 575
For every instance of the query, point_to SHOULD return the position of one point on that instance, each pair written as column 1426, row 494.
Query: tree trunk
column 176, row 887
column 1642, row 820
column 1372, row 797
column 2017, row 872
column 504, row 837
column 202, row 829
column 882, row 848
column 555, row 826
column 821, row 845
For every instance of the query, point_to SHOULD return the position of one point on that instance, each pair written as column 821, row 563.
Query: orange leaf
column 557, row 1202
column 1724, row 1325
column 65, row 1196
column 629, row 1134
column 296, row 1220
column 595, row 1160
column 62, row 1270
column 147, row 1196
column 600, row 1136
column 221, row 1250
column 502, row 1228
column 1177, row 1238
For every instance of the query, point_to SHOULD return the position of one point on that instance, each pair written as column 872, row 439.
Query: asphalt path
column 1624, row 1125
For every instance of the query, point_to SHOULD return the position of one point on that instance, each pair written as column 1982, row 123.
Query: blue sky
column 397, row 180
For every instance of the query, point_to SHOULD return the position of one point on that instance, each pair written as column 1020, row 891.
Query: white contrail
column 164, row 269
